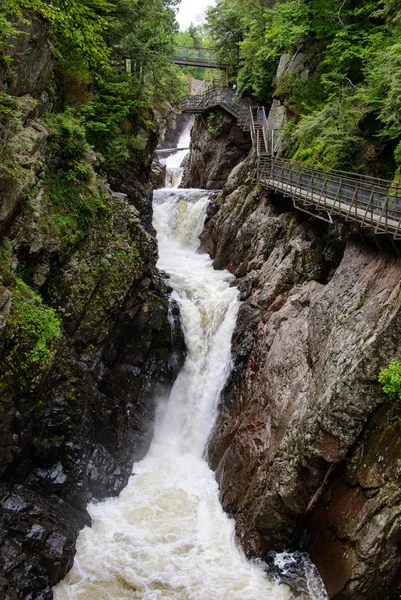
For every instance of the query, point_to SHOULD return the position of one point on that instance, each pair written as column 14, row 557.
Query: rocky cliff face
column 86, row 341
column 217, row 146
column 305, row 448
column 171, row 124
column 279, row 114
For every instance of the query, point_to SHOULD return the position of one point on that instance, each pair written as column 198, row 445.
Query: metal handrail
column 369, row 180
column 252, row 126
column 319, row 167
column 214, row 96
column 205, row 86
column 266, row 132
column 203, row 56
column 373, row 205
column 370, row 201
column 191, row 52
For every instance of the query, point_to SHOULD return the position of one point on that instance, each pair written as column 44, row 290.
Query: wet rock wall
column 306, row 450
column 86, row 336
column 217, row 146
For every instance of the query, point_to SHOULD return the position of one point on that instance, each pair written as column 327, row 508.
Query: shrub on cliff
column 390, row 379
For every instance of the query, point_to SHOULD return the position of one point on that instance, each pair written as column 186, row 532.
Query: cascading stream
column 166, row 536
column 174, row 161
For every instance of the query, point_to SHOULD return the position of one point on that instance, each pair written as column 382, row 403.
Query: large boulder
column 217, row 146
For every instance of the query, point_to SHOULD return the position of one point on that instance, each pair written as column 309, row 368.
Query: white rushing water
column 166, row 535
column 174, row 161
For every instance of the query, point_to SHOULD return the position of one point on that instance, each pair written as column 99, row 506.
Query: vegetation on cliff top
column 346, row 110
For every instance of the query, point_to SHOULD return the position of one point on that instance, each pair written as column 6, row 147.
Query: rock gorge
column 305, row 449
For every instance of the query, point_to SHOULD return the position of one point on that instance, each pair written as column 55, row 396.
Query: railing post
column 265, row 130
column 353, row 201
column 310, row 188
column 384, row 210
column 299, row 181
column 336, row 199
column 369, row 205
column 325, row 190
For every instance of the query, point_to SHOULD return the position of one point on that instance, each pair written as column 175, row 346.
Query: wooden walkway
column 211, row 95
column 183, row 56
column 197, row 57
column 373, row 203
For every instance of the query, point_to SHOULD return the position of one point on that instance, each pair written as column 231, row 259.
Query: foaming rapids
column 166, row 535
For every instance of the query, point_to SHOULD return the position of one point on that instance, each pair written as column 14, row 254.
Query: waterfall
column 166, row 535
column 174, row 161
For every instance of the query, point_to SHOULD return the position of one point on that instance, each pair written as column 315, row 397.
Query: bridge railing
column 252, row 126
column 374, row 203
column 185, row 52
column 214, row 95
column 370, row 201
column 198, row 57
column 266, row 135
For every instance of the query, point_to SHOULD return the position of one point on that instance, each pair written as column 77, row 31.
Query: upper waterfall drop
column 173, row 162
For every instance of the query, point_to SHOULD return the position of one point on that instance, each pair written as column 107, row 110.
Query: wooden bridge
column 197, row 57
column 373, row 203
column 183, row 56
column 212, row 94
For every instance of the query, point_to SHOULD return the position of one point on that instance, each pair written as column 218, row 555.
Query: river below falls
column 166, row 535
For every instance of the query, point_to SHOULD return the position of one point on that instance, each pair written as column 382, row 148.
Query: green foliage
column 390, row 379
column 85, row 32
column 79, row 24
column 225, row 27
column 287, row 26
column 7, row 275
column 79, row 205
column 329, row 136
column 397, row 154
column 350, row 98
column 211, row 123
column 104, row 117
column 34, row 329
column 16, row 157
column 102, row 108
column 109, row 117
column 71, row 183
column 69, row 139
column 195, row 37
column 146, row 33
